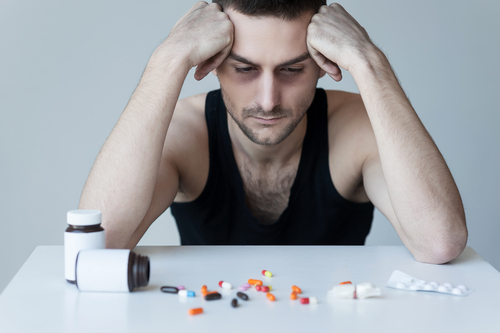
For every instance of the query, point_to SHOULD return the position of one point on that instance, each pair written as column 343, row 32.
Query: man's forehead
column 259, row 40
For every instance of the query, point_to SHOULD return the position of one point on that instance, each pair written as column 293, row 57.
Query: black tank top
column 316, row 213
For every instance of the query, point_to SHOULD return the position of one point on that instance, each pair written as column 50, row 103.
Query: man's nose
column 268, row 95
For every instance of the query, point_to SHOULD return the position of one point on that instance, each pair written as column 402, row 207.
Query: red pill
column 258, row 288
column 264, row 289
column 304, row 300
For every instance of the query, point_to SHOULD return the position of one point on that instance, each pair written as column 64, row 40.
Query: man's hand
column 336, row 40
column 203, row 36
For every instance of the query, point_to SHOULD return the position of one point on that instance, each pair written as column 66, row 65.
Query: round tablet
column 457, row 291
column 429, row 286
column 462, row 287
column 448, row 285
column 443, row 289
column 414, row 287
column 434, row 284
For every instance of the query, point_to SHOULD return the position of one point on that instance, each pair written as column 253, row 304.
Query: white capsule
column 186, row 293
column 367, row 289
column 226, row 285
column 457, row 291
column 313, row 300
column 401, row 285
column 343, row 291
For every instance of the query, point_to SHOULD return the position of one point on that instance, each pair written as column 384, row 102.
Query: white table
column 39, row 299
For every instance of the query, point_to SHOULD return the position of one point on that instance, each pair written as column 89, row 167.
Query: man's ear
column 321, row 73
column 214, row 72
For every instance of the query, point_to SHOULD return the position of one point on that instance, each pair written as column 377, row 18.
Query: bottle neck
column 138, row 271
column 84, row 228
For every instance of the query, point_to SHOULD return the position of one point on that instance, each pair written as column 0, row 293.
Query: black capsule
column 234, row 303
column 214, row 296
column 169, row 289
column 243, row 296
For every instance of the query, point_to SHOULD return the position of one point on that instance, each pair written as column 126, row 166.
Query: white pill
column 448, row 285
column 226, row 285
column 457, row 291
column 401, row 285
column 343, row 291
column 313, row 300
column 183, row 293
column 429, row 286
column 434, row 284
column 367, row 289
column 443, row 289
column 463, row 288
column 414, row 287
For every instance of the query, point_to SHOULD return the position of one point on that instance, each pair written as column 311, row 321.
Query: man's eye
column 291, row 70
column 244, row 70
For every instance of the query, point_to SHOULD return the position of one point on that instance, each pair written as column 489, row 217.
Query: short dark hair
column 283, row 9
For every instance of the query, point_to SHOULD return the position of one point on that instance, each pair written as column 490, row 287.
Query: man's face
column 269, row 80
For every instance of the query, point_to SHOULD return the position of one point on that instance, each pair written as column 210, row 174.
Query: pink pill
column 243, row 288
column 181, row 287
column 248, row 285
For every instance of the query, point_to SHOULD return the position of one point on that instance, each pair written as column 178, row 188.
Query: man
column 271, row 159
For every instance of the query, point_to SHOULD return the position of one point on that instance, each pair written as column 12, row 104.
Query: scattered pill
column 204, row 290
column 248, row 285
column 225, row 285
column 186, row 293
column 243, row 296
column 345, row 291
column 210, row 292
column 271, row 297
column 270, row 288
column 434, row 284
column 293, row 295
column 255, row 282
column 243, row 288
column 267, row 273
column 169, row 289
column 195, row 311
column 296, row 289
column 345, row 282
column 264, row 289
column 313, row 300
column 304, row 300
column 213, row 296
column 234, row 303
column 457, row 291
column 463, row 288
column 258, row 288
column 429, row 286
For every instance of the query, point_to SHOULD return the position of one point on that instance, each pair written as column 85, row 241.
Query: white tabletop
column 39, row 299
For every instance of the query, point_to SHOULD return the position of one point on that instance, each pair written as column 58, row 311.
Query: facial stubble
column 276, row 112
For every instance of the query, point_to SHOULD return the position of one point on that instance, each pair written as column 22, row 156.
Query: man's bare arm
column 124, row 178
column 405, row 176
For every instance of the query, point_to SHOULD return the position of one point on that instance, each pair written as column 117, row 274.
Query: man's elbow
column 445, row 250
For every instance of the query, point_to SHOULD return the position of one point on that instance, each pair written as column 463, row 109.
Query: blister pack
column 403, row 281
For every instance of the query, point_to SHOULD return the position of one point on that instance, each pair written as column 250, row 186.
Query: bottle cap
column 84, row 217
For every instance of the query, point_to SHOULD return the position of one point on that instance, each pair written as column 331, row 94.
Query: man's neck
column 262, row 155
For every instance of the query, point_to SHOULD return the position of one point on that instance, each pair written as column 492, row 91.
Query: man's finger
column 331, row 68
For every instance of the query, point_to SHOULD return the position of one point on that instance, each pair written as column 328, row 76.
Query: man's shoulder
column 346, row 112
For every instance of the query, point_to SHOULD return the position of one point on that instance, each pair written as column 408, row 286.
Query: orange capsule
column 346, row 282
column 210, row 293
column 271, row 297
column 293, row 295
column 296, row 289
column 256, row 282
column 204, row 290
column 195, row 311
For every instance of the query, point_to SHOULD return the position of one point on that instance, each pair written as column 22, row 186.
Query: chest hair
column 267, row 190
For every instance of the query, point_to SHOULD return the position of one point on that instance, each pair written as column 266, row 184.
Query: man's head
column 269, row 80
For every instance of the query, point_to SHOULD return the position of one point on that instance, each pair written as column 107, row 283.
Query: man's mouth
column 268, row 121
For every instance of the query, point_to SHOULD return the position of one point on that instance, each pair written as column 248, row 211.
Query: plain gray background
column 68, row 68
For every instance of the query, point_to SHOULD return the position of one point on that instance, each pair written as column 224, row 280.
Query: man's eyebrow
column 295, row 60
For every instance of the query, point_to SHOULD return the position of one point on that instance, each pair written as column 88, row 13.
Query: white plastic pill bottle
column 111, row 270
column 84, row 232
